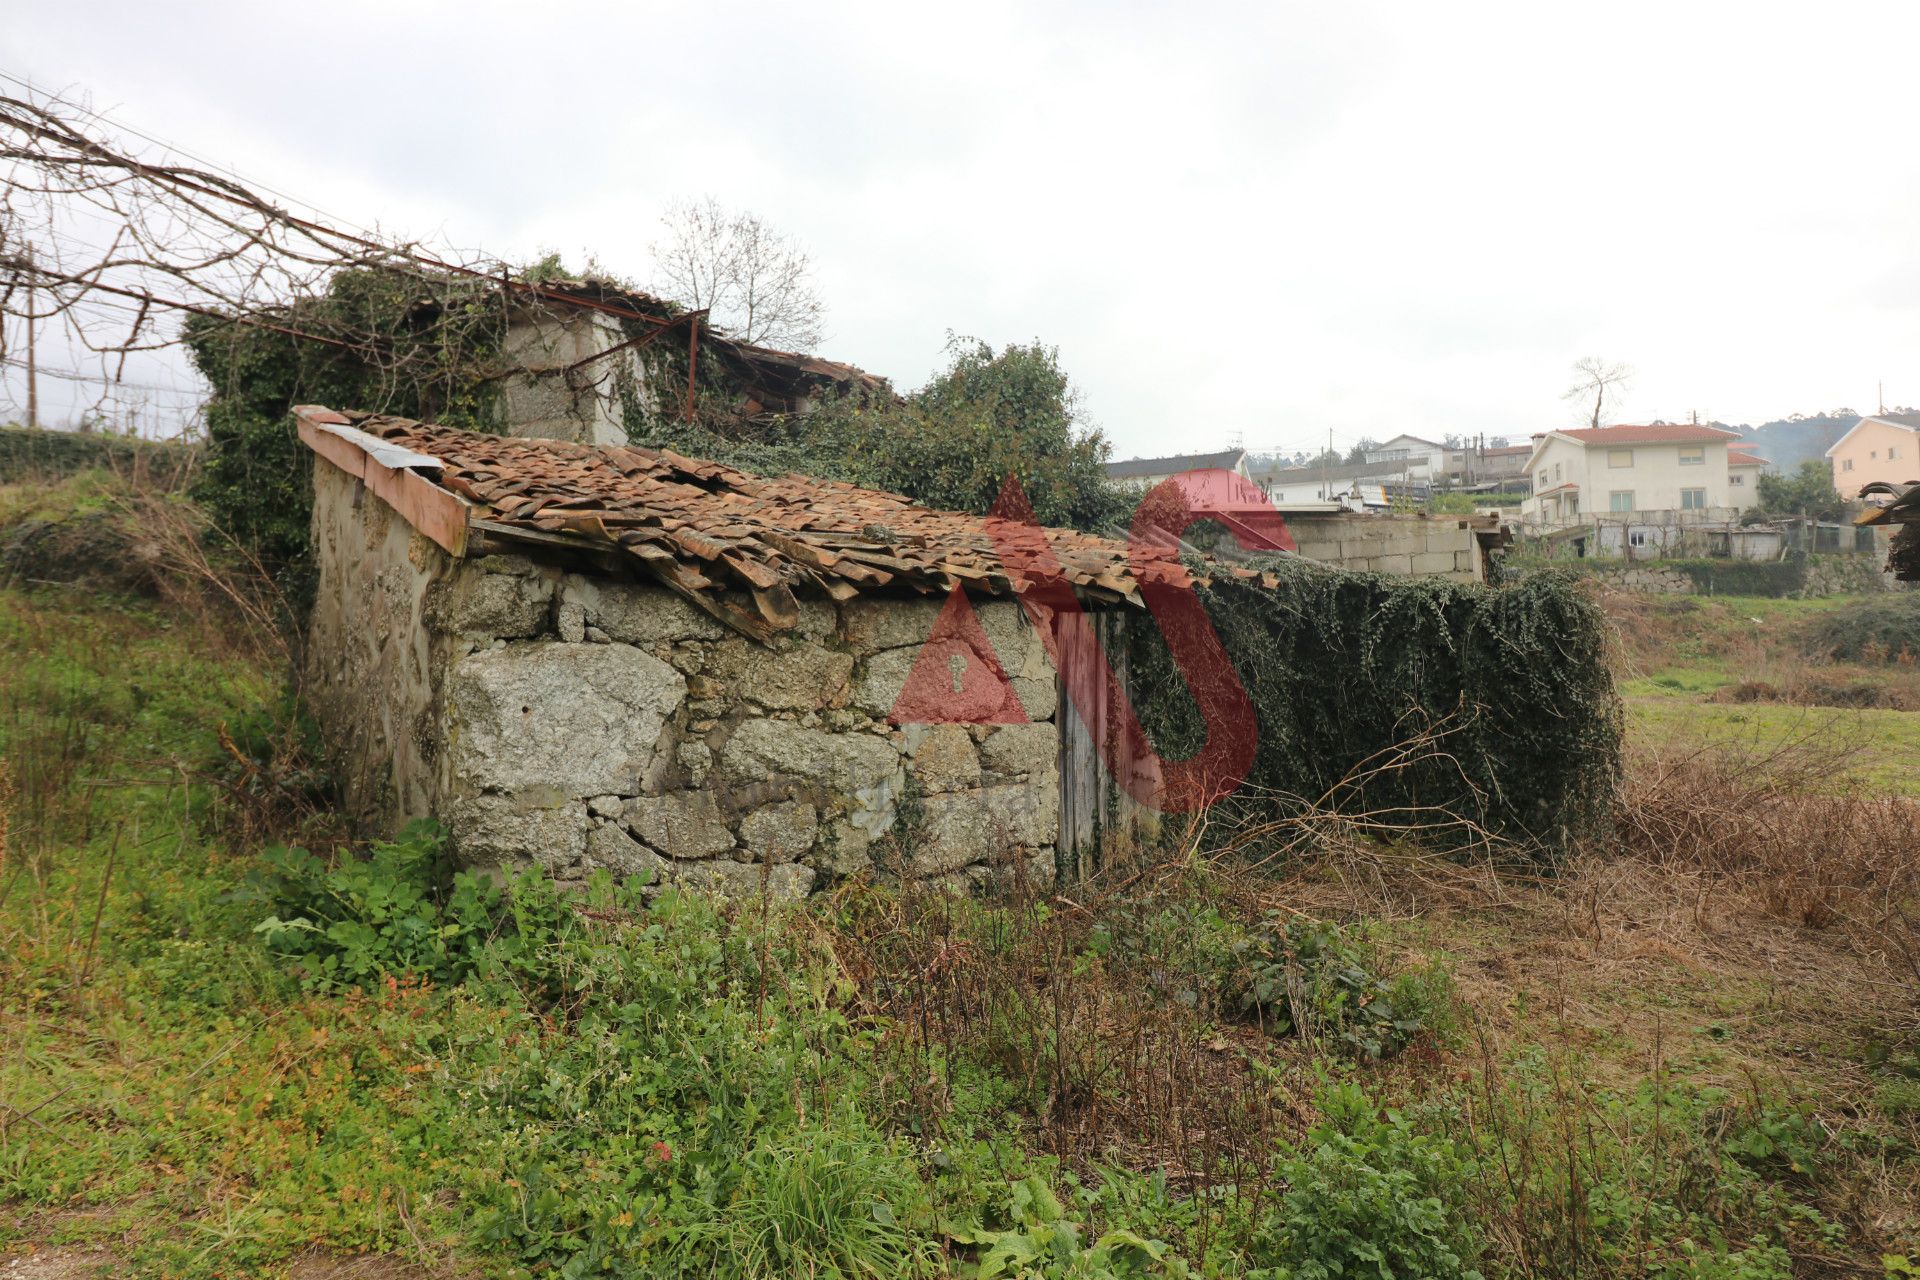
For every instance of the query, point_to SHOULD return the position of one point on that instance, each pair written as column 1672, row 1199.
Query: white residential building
column 1743, row 476
column 1637, row 487
column 1421, row 457
column 1285, row 486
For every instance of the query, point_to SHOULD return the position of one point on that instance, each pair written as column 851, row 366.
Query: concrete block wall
column 1438, row 546
column 552, row 395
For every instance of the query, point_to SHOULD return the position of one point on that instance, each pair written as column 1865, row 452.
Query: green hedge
column 1341, row 667
column 28, row 454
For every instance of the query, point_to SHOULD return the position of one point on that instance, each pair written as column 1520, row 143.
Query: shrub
column 950, row 445
column 1728, row 577
column 1883, row 628
column 39, row 455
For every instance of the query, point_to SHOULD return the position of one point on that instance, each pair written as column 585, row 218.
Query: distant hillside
column 1789, row 441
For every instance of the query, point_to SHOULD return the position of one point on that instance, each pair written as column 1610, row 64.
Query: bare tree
column 748, row 277
column 1603, row 383
column 104, row 249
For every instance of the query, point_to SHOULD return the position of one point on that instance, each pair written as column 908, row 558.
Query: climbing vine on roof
column 1508, row 685
column 412, row 345
column 949, row 445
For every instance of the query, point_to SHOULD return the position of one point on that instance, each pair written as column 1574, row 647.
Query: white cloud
column 1256, row 220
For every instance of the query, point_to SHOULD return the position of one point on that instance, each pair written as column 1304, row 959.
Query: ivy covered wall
column 1509, row 686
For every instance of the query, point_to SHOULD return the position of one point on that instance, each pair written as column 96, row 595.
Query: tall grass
column 1770, row 825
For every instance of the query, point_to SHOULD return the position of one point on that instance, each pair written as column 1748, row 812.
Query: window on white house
column 1693, row 499
column 1573, row 504
column 1846, row 464
column 1620, row 500
column 1619, row 457
column 1893, row 451
column 1543, row 479
column 1637, row 538
column 1736, row 480
column 1556, row 473
column 1694, row 457
column 1873, row 453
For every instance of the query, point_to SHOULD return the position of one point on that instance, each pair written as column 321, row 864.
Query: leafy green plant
column 1042, row 1244
column 389, row 915
column 1368, row 1195
column 1307, row 977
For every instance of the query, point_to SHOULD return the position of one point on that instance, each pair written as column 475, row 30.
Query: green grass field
column 221, row 1061
column 1697, row 648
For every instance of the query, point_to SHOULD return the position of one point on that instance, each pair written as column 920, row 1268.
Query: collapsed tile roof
column 1903, row 509
column 787, row 373
column 705, row 530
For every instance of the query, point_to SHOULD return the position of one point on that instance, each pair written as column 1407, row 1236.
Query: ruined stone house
column 580, row 656
column 585, row 357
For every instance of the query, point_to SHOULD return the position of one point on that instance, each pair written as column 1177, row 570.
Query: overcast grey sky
column 1254, row 222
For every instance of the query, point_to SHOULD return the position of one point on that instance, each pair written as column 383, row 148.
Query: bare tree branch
column 756, row 282
column 1603, row 383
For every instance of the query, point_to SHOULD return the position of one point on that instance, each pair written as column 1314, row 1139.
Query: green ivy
column 1511, row 683
column 418, row 347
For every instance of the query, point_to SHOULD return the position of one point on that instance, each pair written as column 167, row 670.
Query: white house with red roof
column 1636, row 478
column 1743, row 476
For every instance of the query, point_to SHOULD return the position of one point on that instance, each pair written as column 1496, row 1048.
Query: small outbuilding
column 581, row 656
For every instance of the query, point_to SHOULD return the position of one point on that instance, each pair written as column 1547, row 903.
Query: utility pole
column 33, row 373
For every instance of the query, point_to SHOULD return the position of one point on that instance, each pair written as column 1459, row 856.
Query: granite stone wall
column 570, row 722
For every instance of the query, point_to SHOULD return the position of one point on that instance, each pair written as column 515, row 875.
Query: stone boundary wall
column 1831, row 575
column 1650, row 577
column 1819, row 576
column 572, row 722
